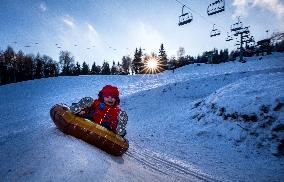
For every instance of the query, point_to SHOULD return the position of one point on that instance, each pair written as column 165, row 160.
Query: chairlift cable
column 194, row 12
column 189, row 8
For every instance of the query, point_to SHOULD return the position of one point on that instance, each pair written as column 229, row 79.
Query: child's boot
column 122, row 121
column 82, row 104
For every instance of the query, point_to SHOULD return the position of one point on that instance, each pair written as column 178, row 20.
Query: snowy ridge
column 177, row 128
column 257, row 109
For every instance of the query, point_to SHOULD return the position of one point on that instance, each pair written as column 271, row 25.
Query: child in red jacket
column 104, row 111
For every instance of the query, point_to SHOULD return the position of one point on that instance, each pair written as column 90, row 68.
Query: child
column 104, row 111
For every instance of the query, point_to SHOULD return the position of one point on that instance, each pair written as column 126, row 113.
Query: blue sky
column 110, row 29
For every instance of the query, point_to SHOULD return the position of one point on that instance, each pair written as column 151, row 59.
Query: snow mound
column 255, row 105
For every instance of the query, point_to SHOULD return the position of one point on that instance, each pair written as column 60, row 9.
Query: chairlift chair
column 216, row 7
column 214, row 32
column 185, row 18
column 229, row 37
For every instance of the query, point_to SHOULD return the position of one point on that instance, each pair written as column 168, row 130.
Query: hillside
column 202, row 123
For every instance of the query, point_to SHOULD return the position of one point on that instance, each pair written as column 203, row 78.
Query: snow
column 197, row 124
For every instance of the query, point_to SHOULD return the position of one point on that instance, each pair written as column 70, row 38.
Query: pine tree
column 105, row 68
column 20, row 65
column 85, row 69
column 114, row 69
column 137, row 65
column 39, row 67
column 163, row 60
column 95, row 69
column 77, row 70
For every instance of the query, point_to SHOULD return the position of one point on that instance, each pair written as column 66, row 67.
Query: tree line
column 16, row 67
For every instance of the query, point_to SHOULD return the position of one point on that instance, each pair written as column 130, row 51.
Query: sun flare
column 152, row 64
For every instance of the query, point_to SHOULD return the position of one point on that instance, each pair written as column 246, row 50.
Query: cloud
column 92, row 29
column 69, row 21
column 43, row 7
column 243, row 6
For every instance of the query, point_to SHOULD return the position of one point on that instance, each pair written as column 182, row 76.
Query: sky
column 98, row 30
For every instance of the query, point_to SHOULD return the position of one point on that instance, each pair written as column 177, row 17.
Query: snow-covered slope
column 201, row 123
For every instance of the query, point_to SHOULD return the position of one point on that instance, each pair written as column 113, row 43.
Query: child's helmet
column 109, row 90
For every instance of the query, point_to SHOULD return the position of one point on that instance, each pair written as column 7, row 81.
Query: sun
column 152, row 64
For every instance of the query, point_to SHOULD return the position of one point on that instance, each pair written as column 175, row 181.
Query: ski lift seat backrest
column 185, row 18
column 216, row 7
column 215, row 32
column 229, row 38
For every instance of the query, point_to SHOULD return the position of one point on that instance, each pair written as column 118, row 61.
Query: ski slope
column 177, row 128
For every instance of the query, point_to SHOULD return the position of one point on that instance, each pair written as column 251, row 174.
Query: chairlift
column 237, row 26
column 216, row 7
column 185, row 18
column 229, row 37
column 214, row 32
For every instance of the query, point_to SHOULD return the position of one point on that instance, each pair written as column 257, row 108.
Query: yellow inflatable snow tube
column 88, row 131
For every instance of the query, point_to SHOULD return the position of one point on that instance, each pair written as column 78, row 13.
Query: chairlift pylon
column 214, row 32
column 237, row 26
column 216, row 7
column 185, row 18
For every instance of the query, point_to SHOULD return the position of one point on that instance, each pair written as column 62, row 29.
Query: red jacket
column 102, row 112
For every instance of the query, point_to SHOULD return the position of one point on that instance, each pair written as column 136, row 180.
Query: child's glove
column 82, row 113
